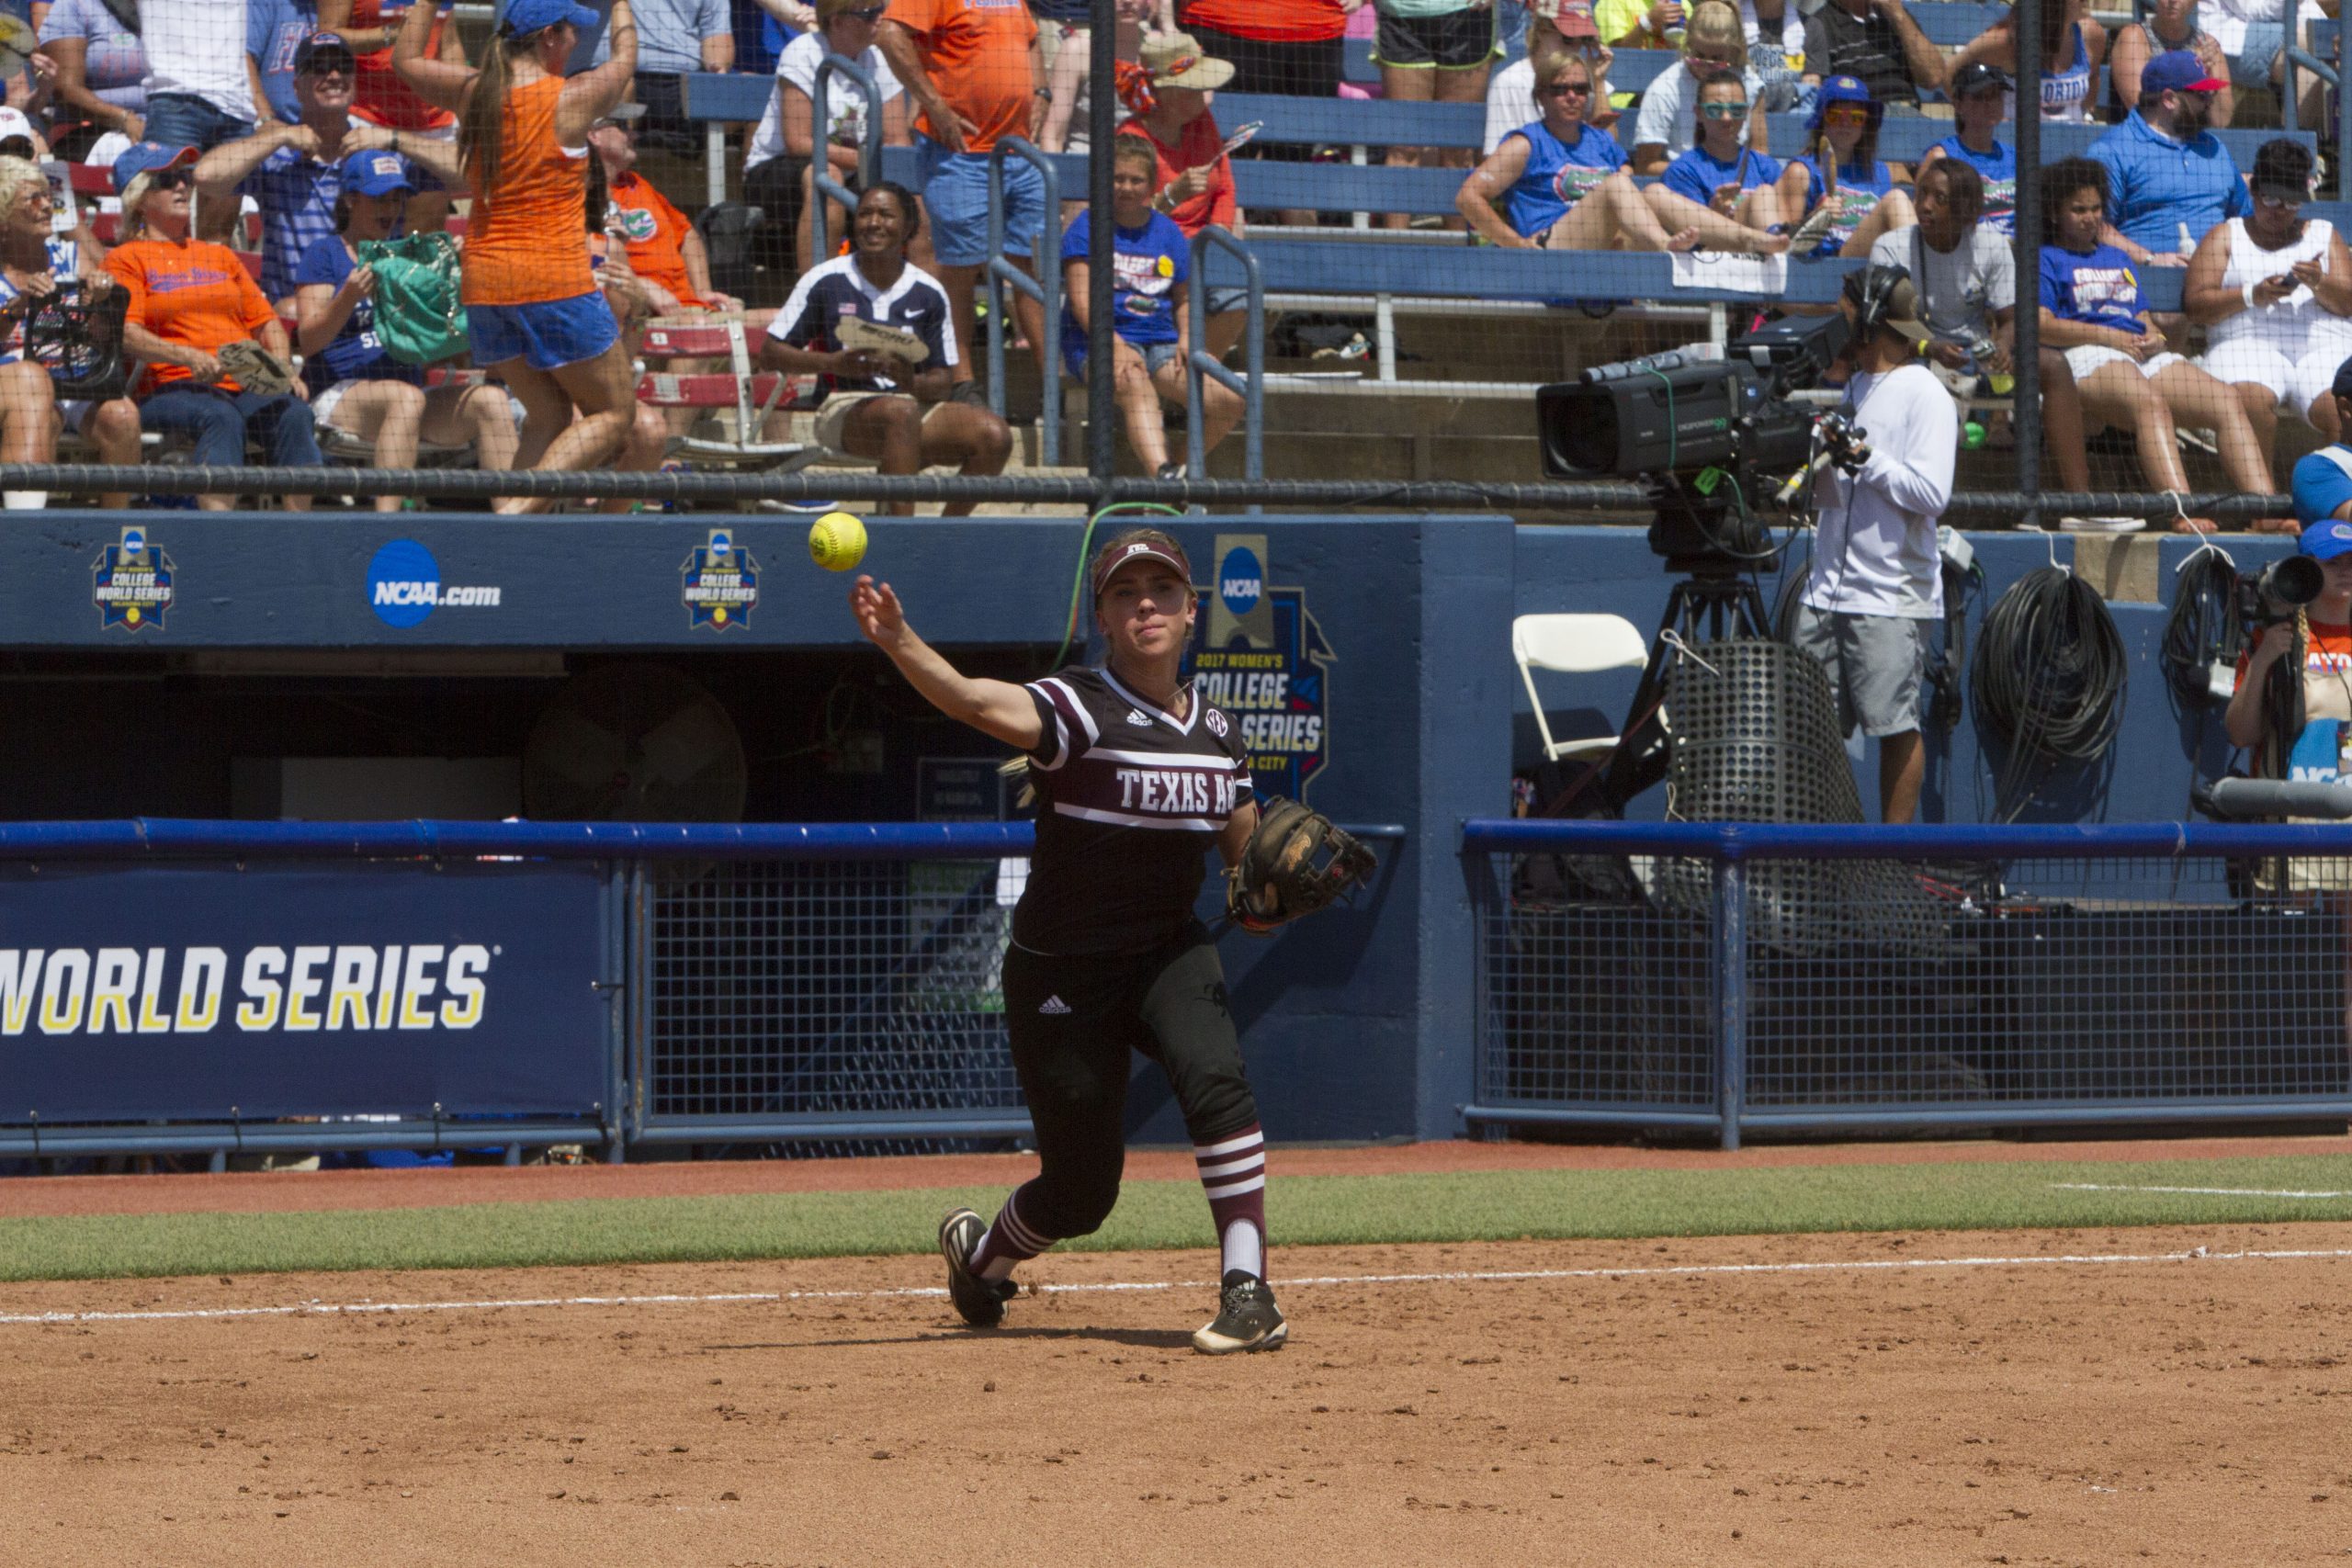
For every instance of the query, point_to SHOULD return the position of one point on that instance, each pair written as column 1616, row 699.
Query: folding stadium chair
column 751, row 396
column 1573, row 645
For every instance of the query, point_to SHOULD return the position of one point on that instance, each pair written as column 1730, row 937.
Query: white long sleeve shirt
column 1874, row 546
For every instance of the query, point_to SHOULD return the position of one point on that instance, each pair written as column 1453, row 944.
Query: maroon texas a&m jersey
column 1129, row 797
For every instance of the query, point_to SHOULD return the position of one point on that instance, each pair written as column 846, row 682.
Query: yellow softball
column 837, row 542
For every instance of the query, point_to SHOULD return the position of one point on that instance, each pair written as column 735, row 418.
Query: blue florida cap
column 2326, row 539
column 1843, row 90
column 375, row 173
column 145, row 157
column 524, row 18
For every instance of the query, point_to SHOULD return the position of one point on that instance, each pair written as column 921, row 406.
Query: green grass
column 1302, row 1211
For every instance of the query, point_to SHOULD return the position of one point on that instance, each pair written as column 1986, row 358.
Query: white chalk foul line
column 1454, row 1276
column 2199, row 1191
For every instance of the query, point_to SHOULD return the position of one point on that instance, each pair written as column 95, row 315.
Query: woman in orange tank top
column 539, row 320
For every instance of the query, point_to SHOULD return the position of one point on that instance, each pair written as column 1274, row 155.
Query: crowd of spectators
column 256, row 146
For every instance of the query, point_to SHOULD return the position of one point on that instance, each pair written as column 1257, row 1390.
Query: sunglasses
column 870, row 14
column 1724, row 111
column 1847, row 114
column 1566, row 90
column 172, row 179
column 2272, row 196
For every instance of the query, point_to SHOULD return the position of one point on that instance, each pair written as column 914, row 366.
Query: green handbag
column 418, row 319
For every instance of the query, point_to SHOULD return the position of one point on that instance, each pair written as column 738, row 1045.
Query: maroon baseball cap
column 1141, row 550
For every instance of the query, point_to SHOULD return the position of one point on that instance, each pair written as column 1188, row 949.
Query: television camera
column 1701, row 435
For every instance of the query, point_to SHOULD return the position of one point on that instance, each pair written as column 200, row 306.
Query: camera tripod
column 1717, row 550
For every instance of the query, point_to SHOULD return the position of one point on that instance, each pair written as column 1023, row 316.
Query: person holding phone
column 2128, row 374
column 2273, row 291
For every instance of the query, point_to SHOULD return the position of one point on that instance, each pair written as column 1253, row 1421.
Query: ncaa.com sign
column 404, row 586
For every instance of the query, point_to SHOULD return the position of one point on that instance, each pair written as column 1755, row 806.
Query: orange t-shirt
column 379, row 96
column 977, row 53
column 528, row 242
column 1200, row 143
column 1270, row 21
column 191, row 293
column 655, row 234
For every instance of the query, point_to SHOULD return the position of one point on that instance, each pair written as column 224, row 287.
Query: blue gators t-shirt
column 1858, row 190
column 1557, row 175
column 2098, row 287
column 1697, row 173
column 357, row 354
column 1148, row 264
column 2323, row 488
column 1999, row 169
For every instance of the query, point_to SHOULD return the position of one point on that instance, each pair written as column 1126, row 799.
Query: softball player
column 1135, row 776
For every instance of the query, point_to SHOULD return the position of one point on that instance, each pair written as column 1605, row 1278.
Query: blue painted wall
column 1358, row 1022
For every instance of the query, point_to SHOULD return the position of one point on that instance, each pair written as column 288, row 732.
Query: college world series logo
column 131, row 583
column 1259, row 656
column 719, row 583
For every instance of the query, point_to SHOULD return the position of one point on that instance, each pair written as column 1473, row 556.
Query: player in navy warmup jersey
column 872, row 404
column 1135, row 776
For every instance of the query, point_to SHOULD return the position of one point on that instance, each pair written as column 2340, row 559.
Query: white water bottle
column 2188, row 242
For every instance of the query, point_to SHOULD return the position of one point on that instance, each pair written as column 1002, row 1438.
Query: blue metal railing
column 869, row 150
column 1736, row 977
column 1045, row 287
column 1199, row 362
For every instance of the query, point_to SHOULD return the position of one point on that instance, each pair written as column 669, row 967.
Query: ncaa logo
column 1241, row 580
column 403, row 583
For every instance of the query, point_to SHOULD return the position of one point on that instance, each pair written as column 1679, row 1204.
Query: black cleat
column 1247, row 1318
column 979, row 1302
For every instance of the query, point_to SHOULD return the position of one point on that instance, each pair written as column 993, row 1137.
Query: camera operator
column 1876, row 579
column 2260, row 713
column 2318, row 636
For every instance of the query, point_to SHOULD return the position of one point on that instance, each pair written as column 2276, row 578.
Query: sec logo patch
column 1217, row 723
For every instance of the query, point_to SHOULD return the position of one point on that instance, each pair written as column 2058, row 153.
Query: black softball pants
column 1073, row 1021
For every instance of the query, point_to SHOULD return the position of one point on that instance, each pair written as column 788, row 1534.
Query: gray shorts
column 1873, row 663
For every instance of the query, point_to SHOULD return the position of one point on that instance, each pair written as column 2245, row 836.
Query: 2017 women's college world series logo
column 1260, row 657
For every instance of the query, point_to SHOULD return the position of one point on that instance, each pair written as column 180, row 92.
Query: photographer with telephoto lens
column 2300, row 734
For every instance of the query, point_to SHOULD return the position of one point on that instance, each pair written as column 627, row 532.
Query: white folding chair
column 1573, row 645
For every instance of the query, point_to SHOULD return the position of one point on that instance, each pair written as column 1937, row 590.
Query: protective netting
column 1444, row 206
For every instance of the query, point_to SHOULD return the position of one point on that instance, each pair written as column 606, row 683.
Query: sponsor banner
column 404, row 586
column 195, row 992
column 1261, row 655
column 132, row 583
column 719, row 583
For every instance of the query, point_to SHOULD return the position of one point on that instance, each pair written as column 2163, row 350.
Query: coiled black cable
column 2048, row 679
column 2203, row 628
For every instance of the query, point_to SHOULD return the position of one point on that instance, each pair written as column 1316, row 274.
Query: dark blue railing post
column 1045, row 287
column 820, row 163
column 1730, row 943
column 1199, row 362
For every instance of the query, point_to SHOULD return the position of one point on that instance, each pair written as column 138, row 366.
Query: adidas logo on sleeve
column 1053, row 1007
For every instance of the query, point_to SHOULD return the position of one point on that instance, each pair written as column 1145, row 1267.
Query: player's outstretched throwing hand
column 880, row 617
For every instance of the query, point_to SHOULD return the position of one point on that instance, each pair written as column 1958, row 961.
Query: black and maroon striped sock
column 1233, row 1174
column 1008, row 1242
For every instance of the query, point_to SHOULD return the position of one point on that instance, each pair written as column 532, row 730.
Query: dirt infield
column 2024, row 1398
column 251, row 1192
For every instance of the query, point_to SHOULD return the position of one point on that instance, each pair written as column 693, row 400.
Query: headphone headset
column 1872, row 292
